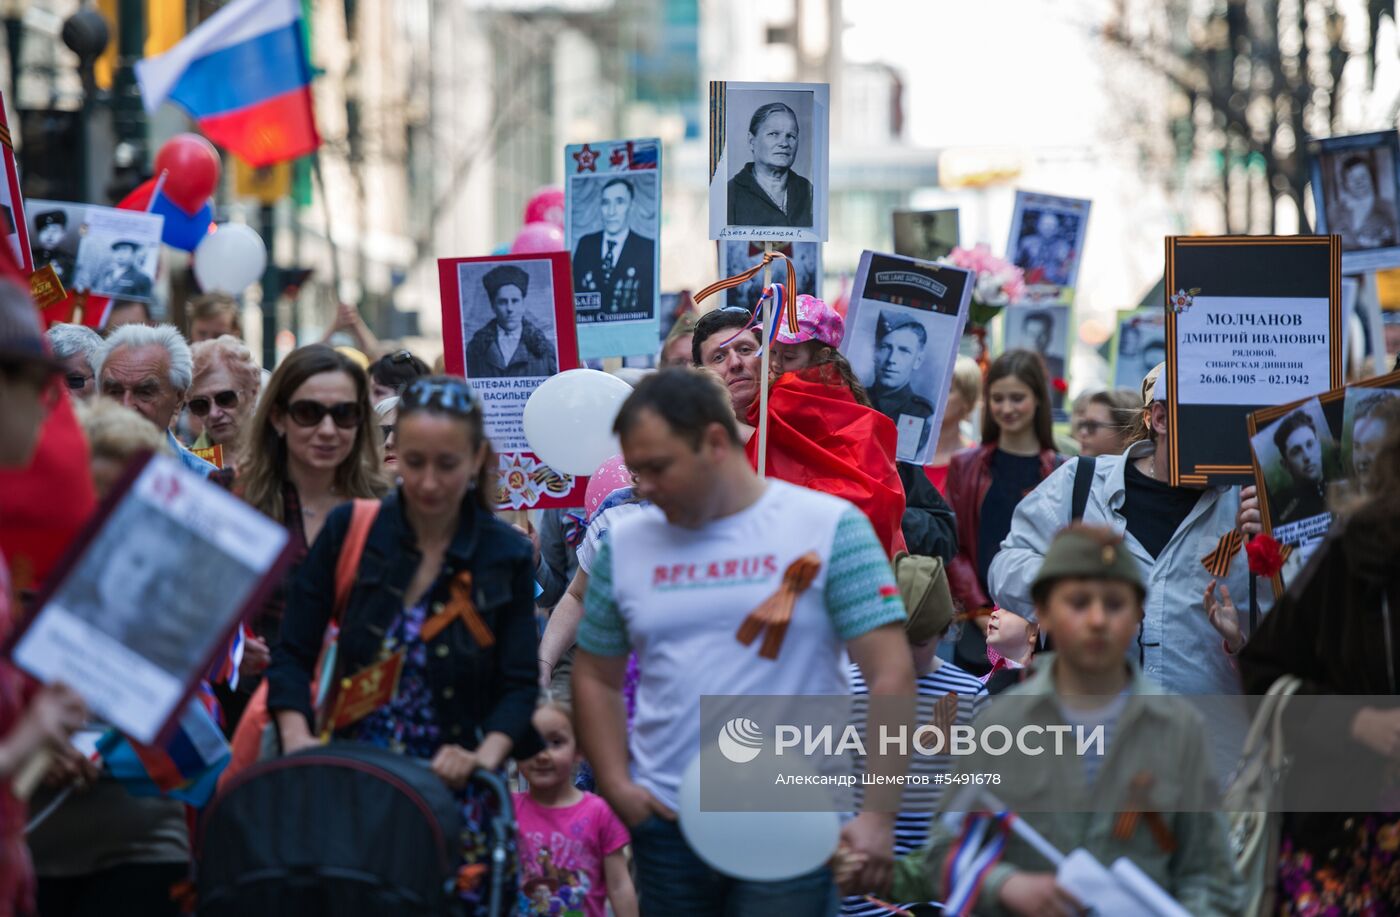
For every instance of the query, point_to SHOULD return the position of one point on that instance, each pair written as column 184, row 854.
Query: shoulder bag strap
column 362, row 516
column 1083, row 482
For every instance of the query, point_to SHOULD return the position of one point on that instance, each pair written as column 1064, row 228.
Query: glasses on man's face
column 76, row 382
column 345, row 415
column 199, row 406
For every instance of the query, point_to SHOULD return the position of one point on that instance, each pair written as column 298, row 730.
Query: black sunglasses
column 346, row 414
column 400, row 356
column 228, row 400
column 452, row 396
column 75, row 381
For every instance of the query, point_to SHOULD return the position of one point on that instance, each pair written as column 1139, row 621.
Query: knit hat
column 923, row 585
column 816, row 321
column 1087, row 552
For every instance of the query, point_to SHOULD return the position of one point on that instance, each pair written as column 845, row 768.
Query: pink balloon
column 546, row 206
column 538, row 237
column 611, row 475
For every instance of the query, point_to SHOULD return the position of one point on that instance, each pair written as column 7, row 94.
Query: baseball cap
column 1155, row 382
column 816, row 321
column 21, row 331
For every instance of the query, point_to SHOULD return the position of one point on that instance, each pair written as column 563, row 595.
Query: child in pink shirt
column 572, row 856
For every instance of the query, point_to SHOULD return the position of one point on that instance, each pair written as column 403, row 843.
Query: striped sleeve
column 861, row 594
column 602, row 631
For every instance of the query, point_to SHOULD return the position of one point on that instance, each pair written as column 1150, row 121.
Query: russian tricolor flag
column 244, row 75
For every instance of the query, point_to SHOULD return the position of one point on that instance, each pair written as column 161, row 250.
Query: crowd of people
column 568, row 650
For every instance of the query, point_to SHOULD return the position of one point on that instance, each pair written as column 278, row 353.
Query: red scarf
column 821, row 438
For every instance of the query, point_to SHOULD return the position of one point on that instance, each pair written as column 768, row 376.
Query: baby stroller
column 346, row 830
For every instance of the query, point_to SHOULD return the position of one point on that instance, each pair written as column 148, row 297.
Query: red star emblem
column 586, row 159
column 618, row 157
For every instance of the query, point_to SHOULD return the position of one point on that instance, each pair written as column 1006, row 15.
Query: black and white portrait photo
column 118, row 253
column 615, row 220
column 1300, row 457
column 1355, row 188
column 737, row 256
column 1047, row 241
column 1141, row 344
column 904, row 323
column 508, row 319
column 153, row 594
column 925, row 234
column 769, row 169
column 53, row 236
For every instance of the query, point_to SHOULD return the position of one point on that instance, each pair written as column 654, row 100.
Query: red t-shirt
column 561, row 855
column 938, row 475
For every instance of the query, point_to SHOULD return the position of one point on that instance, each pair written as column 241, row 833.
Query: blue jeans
column 673, row 881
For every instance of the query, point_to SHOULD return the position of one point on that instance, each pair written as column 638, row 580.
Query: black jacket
column 630, row 287
column 475, row 690
column 928, row 524
column 750, row 205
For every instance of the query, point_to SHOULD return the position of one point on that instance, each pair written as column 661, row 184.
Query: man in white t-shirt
column 673, row 583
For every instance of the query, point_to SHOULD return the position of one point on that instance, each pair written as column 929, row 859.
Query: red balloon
column 191, row 167
column 546, row 206
column 538, row 237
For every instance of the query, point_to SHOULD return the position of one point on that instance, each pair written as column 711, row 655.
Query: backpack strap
column 1083, row 482
column 347, row 566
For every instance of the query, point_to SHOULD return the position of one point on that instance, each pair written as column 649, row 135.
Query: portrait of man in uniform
column 509, row 344
column 616, row 261
column 1308, row 469
column 49, row 244
column 122, row 277
column 901, row 344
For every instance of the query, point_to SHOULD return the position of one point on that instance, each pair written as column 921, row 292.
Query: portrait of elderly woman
column 1361, row 207
column 509, row 344
column 767, row 191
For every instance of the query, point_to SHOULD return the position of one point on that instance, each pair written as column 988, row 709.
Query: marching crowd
column 571, row 650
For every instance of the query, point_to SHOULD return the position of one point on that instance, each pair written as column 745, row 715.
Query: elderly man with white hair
column 150, row 370
column 74, row 346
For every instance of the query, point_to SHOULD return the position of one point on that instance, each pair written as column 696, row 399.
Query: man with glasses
column 149, row 370
column 74, row 346
column 225, row 390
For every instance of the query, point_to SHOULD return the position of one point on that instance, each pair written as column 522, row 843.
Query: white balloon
column 568, row 420
column 230, row 259
column 758, row 846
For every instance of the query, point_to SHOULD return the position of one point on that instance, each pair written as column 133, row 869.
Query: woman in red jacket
column 986, row 482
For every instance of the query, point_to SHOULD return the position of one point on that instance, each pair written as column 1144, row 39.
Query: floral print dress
column 1363, row 878
column 408, row 725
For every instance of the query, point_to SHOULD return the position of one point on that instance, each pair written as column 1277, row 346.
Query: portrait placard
column 1044, row 330
column 1356, row 187
column 737, row 256
column 1139, row 344
column 101, row 251
column 1363, row 329
column 926, row 234
column 1047, row 242
column 508, row 325
column 769, row 161
column 154, row 589
column 1252, row 322
column 902, row 332
column 1342, row 435
column 612, row 225
column 12, row 201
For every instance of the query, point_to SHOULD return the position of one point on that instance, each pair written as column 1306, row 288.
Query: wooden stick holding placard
column 763, row 338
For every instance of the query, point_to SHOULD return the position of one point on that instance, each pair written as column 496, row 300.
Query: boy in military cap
column 123, row 277
column 1147, row 805
column 50, row 229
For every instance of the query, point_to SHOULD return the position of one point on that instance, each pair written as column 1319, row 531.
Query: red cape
column 821, row 438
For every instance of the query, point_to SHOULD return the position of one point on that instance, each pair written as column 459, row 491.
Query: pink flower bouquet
column 999, row 282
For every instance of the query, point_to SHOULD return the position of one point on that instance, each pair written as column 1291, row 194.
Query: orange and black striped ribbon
column 775, row 612
column 5, row 139
column 460, row 606
column 1217, row 562
column 737, row 279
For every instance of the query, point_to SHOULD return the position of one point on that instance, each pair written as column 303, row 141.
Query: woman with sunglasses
column 449, row 586
column 224, row 391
